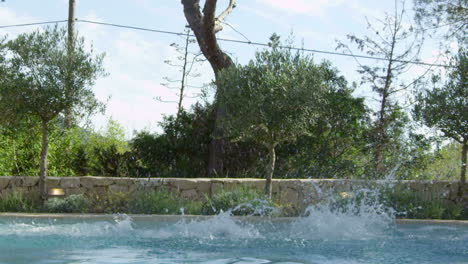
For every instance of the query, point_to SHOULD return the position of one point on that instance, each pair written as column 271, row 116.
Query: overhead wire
column 232, row 41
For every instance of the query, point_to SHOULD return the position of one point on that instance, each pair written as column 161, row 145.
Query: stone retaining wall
column 297, row 192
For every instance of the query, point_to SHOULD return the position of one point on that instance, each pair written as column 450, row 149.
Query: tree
column 205, row 24
column 398, row 44
column 336, row 145
column 273, row 99
column 36, row 79
column 448, row 15
column 446, row 108
column 187, row 61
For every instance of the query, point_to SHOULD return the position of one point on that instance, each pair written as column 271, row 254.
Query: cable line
column 35, row 24
column 232, row 41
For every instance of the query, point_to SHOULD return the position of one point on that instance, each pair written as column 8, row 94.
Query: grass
column 241, row 201
column 17, row 202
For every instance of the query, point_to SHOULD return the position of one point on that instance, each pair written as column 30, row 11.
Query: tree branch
column 220, row 19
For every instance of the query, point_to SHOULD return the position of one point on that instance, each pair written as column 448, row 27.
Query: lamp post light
column 56, row 192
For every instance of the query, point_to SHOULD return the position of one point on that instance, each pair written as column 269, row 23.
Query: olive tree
column 273, row 99
column 38, row 70
column 446, row 108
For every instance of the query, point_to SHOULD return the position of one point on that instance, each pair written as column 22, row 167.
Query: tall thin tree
column 399, row 43
column 68, row 120
column 186, row 62
column 205, row 24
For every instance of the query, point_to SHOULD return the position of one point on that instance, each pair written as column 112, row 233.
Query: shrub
column 16, row 202
column 410, row 204
column 75, row 203
column 110, row 202
column 241, row 201
column 162, row 202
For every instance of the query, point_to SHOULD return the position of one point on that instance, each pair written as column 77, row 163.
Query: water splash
column 221, row 226
column 121, row 225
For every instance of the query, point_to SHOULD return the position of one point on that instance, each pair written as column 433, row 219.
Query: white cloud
column 9, row 17
column 305, row 7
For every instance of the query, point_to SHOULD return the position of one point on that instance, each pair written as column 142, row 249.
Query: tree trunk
column 205, row 26
column 270, row 171
column 461, row 185
column 43, row 162
column 68, row 119
column 184, row 74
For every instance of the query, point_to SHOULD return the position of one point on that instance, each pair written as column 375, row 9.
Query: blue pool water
column 318, row 238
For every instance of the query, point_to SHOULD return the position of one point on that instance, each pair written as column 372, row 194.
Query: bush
column 110, row 203
column 16, row 202
column 410, row 204
column 241, row 201
column 75, row 203
column 163, row 202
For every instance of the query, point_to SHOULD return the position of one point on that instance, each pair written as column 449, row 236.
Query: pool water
column 223, row 239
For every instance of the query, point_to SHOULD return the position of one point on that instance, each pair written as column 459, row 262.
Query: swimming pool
column 224, row 239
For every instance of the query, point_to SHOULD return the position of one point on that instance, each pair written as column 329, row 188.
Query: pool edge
column 176, row 217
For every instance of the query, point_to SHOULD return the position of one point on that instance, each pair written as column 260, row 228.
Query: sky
column 135, row 59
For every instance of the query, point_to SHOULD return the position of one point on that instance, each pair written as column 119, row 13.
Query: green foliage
column 402, row 202
column 39, row 64
column 446, row 108
column 241, row 201
column 438, row 14
column 162, row 202
column 16, row 202
column 181, row 150
column 109, row 202
column 20, row 151
column 444, row 163
column 75, row 203
column 334, row 146
column 274, row 98
column 44, row 80
column 411, row 204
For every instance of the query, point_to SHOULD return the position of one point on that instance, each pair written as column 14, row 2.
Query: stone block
column 185, row 184
column 157, row 182
column 4, row 182
column 216, row 187
column 90, row 182
column 289, row 196
column 30, row 181
column 204, row 187
column 70, row 191
column 231, row 185
column 52, row 182
column 118, row 188
column 70, row 182
column 256, row 184
column 189, row 194
column 16, row 182
column 122, row 181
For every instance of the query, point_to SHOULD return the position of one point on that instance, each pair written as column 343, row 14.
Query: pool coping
column 142, row 217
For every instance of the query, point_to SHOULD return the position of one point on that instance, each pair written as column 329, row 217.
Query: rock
column 121, row 181
column 184, row 184
column 204, row 187
column 4, row 182
column 118, row 188
column 289, row 196
column 30, row 181
column 70, row 182
column 71, row 191
column 189, row 194
column 90, row 182
column 52, row 182
column 216, row 187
